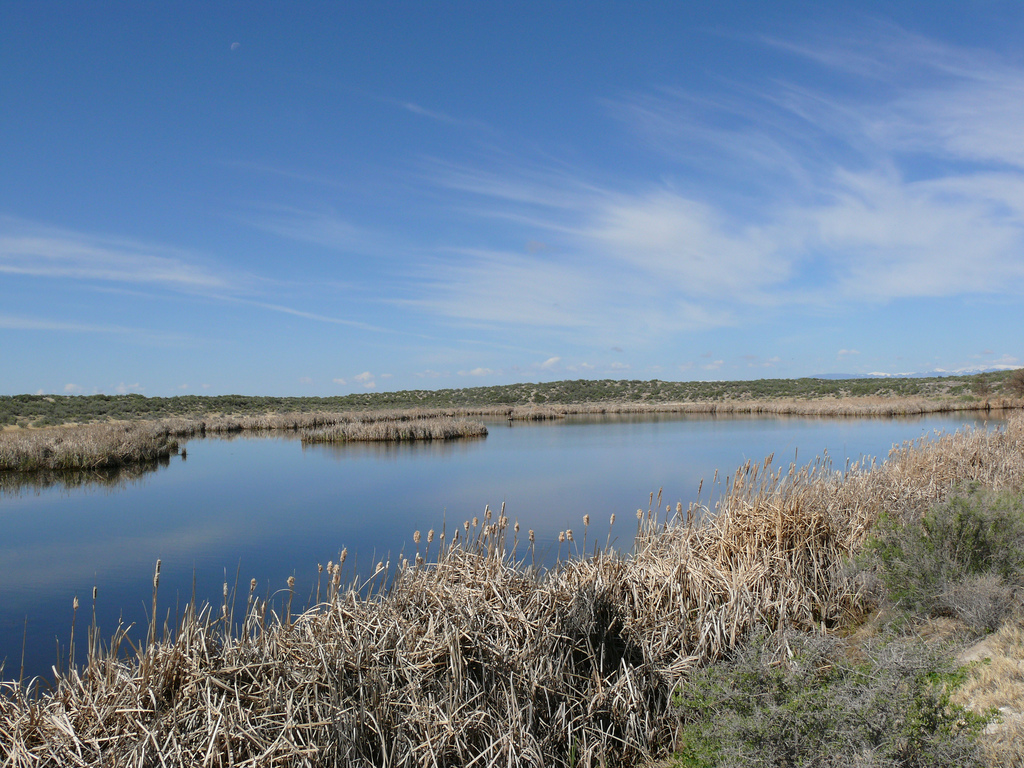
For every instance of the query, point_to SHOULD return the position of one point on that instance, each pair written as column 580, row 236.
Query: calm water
column 267, row 507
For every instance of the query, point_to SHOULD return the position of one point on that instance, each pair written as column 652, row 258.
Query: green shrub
column 797, row 701
column 963, row 559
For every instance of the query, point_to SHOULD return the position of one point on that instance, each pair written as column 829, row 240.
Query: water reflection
column 108, row 479
column 394, row 451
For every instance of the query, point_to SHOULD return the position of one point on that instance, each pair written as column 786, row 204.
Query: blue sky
column 317, row 199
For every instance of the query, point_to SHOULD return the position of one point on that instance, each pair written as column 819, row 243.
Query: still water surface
column 266, row 507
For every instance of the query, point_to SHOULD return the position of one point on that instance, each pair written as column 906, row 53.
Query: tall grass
column 91, row 447
column 396, row 431
column 470, row 656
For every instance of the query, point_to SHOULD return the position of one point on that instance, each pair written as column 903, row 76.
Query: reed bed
column 469, row 655
column 391, row 431
column 88, row 447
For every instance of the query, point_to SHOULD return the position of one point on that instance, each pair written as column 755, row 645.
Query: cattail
column 319, row 568
column 156, row 576
column 380, row 567
column 291, row 583
column 430, row 536
column 344, row 554
column 252, row 586
column 516, row 527
column 531, row 535
column 466, row 526
column 639, row 514
column 586, row 520
column 612, row 521
column 561, row 537
column 487, row 512
column 476, row 522
column 416, row 538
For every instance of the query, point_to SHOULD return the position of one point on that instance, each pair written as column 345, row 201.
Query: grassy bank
column 92, row 447
column 466, row 655
column 48, row 410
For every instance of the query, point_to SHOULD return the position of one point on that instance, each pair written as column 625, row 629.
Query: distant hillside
column 40, row 410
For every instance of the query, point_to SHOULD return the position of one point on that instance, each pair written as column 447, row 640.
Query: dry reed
column 476, row 659
column 90, row 447
column 396, row 431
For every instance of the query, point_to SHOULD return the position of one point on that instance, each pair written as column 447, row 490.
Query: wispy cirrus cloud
column 40, row 251
column 904, row 178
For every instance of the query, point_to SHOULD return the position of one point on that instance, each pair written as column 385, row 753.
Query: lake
column 266, row 507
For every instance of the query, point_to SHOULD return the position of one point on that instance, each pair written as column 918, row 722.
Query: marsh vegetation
column 468, row 652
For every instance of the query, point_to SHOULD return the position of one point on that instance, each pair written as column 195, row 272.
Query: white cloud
column 183, row 386
column 477, row 372
column 616, row 366
column 39, row 251
column 428, row 374
column 72, row 389
column 909, row 183
column 550, row 363
column 124, row 389
column 713, row 365
column 305, row 380
column 342, row 382
column 387, row 375
column 846, row 352
column 363, row 377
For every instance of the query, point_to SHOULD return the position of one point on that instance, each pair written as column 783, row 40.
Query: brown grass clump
column 477, row 658
column 89, row 447
column 396, row 431
column 996, row 681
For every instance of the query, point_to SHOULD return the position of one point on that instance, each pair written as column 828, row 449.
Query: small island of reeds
column 437, row 428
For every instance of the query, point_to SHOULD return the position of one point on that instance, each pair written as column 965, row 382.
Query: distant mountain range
column 938, row 372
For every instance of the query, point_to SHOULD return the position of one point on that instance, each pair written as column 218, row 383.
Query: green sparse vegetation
column 59, row 409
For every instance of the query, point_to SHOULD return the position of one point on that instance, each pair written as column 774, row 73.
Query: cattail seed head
column 531, row 535
column 430, row 536
column 568, row 534
column 416, row 537
column 94, row 593
column 466, row 526
column 679, row 507
column 291, row 582
column 319, row 568
column 476, row 522
column 380, row 566
column 612, row 521
column 487, row 513
column 74, row 604
column 586, row 520
column 639, row 514
column 344, row 554
column 503, row 522
column 252, row 586
column 225, row 590
column 516, row 527
column 561, row 537
column 156, row 575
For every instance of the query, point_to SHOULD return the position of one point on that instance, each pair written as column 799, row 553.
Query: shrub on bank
column 964, row 559
column 795, row 699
